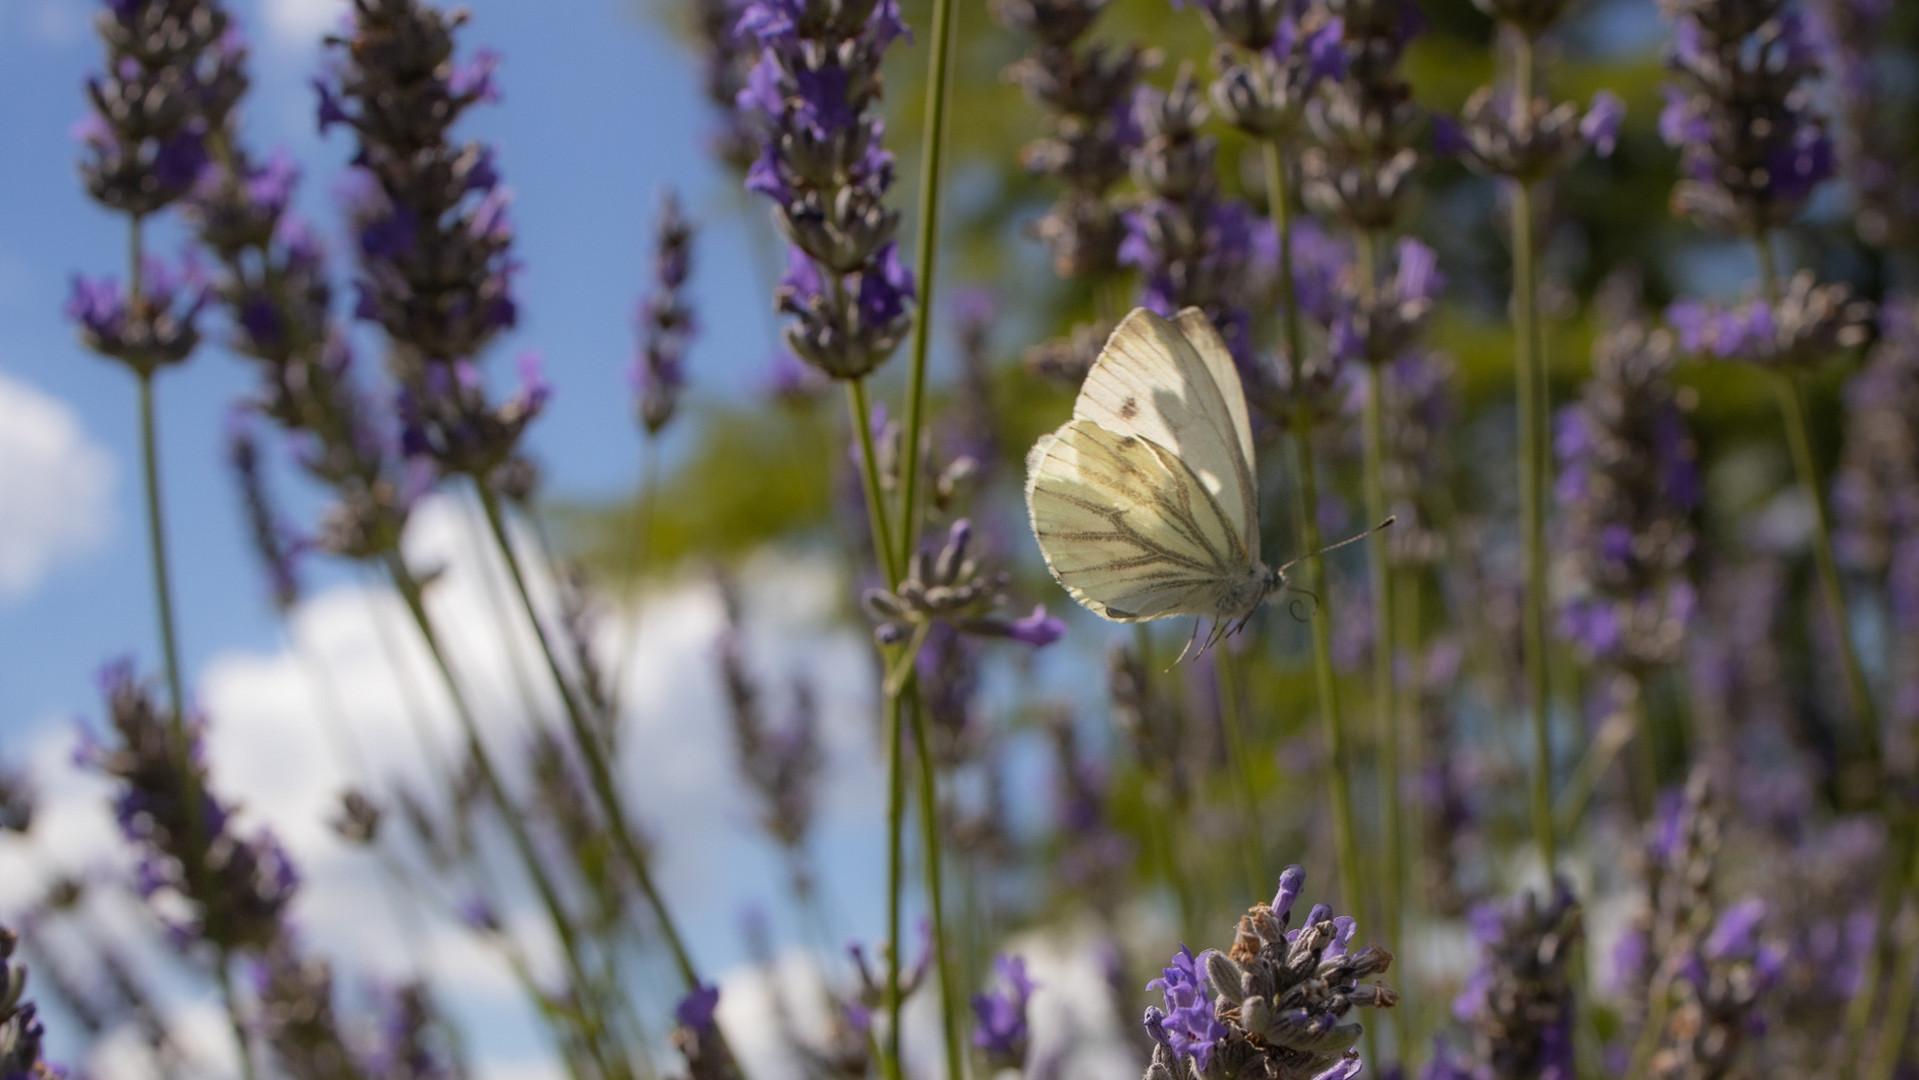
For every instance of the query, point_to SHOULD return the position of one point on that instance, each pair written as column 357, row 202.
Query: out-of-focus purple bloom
column 1518, row 1003
column 666, row 323
column 1000, row 1027
column 158, row 328
column 696, row 1009
column 1806, row 325
column 21, row 1032
column 1600, row 126
column 1752, row 149
column 273, row 541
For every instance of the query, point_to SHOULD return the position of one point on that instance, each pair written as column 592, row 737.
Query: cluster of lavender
column 1087, row 91
column 1805, row 324
column 728, row 53
column 1274, row 1006
column 1702, row 969
column 1873, row 149
column 1193, row 245
column 665, row 321
column 434, row 238
column 949, row 585
column 236, row 887
column 1000, row 1029
column 815, row 91
column 1876, row 492
column 1751, row 147
column 1518, row 1002
column 1629, row 485
column 20, row 1028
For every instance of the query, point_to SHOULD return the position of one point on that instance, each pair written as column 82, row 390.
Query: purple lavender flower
column 1518, row 1003
column 1805, row 326
column 814, row 92
column 1000, row 1028
column 236, row 888
column 157, row 328
column 172, row 75
column 273, row 542
column 21, row 1032
column 949, row 584
column 1275, row 1002
column 1751, row 147
column 435, row 239
column 665, row 321
column 1629, row 485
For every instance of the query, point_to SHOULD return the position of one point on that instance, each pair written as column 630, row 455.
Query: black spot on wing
column 1129, row 408
column 1118, row 614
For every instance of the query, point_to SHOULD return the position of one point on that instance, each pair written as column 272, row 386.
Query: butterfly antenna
column 1354, row 539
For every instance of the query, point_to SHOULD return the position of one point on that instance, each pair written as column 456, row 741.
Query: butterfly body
column 1144, row 503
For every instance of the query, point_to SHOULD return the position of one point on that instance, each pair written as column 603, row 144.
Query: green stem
column 870, row 472
column 1531, row 400
column 236, row 1018
column 932, row 145
column 1346, row 837
column 1385, row 696
column 409, row 589
column 894, row 735
column 930, row 842
column 157, row 547
column 1229, row 718
column 1905, row 982
column 592, row 750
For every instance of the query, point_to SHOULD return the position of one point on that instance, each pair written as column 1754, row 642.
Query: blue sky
column 601, row 111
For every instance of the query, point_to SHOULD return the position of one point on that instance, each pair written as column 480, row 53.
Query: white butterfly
column 1144, row 502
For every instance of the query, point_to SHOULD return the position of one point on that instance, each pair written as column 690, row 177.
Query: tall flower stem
column 935, row 899
column 1232, row 720
column 592, row 748
column 409, row 589
column 1385, row 636
column 893, row 722
column 169, row 639
column 1346, row 838
column 1905, row 983
column 1529, row 377
column 1792, row 409
column 925, row 262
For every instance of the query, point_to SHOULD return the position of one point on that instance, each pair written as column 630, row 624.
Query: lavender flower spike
column 20, row 1028
column 665, row 321
column 1001, row 1028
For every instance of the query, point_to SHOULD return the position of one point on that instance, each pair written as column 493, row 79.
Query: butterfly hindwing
column 1127, row 528
column 1173, row 383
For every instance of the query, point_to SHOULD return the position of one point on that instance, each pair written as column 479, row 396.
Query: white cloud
column 350, row 696
column 54, row 483
column 301, row 23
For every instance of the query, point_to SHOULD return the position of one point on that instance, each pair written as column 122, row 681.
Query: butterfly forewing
column 1128, row 528
column 1174, row 384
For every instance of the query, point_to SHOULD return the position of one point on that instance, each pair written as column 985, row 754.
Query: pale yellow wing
column 1127, row 528
column 1173, row 383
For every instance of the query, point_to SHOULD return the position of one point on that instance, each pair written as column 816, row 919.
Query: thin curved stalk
column 592, row 749
column 1530, row 395
column 409, row 589
column 935, row 896
column 932, row 147
column 1346, row 837
column 1905, row 983
column 1385, row 693
column 889, row 1053
column 1230, row 719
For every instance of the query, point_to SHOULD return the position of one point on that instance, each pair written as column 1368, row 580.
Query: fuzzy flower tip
column 1000, row 1027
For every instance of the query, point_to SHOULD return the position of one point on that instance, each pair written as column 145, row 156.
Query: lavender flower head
column 430, row 214
column 1629, row 483
column 149, row 330
column 1751, row 146
column 1271, row 1008
column 1518, row 1003
column 727, row 56
column 666, row 321
column 1804, row 326
column 816, row 91
column 950, row 584
column 1273, row 56
column 1000, row 1027
column 1087, row 91
column 172, row 74
column 21, row 1032
column 1529, row 141
column 237, row 887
